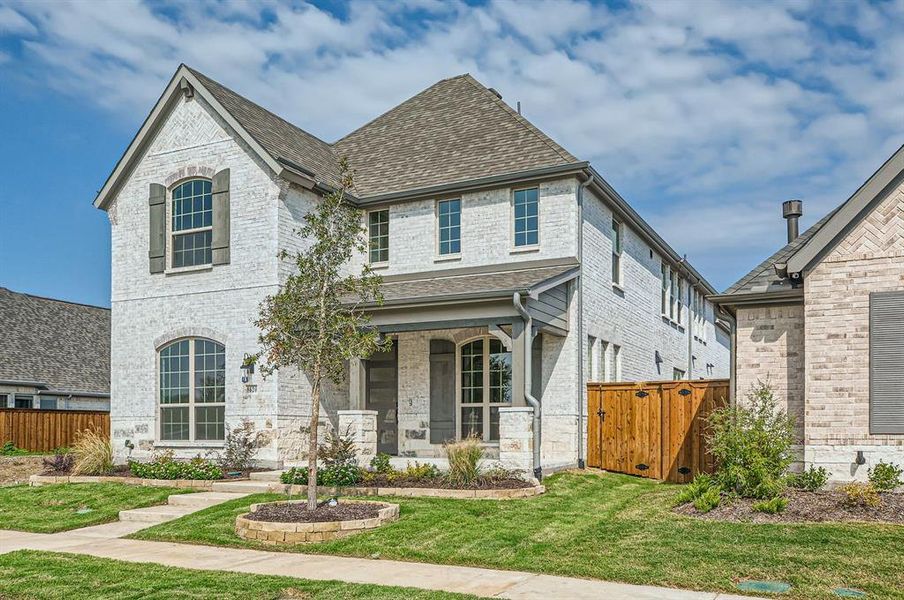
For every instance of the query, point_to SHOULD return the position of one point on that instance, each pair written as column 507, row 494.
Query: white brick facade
column 220, row 303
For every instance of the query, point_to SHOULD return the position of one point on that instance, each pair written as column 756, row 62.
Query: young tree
column 315, row 322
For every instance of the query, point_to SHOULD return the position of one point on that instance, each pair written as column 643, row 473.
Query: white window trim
column 439, row 257
column 486, row 388
column 383, row 264
column 530, row 247
column 191, row 442
column 168, row 267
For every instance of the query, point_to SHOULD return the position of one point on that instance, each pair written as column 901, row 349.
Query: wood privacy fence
column 44, row 430
column 652, row 429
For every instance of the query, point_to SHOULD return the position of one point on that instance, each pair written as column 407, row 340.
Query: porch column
column 516, row 438
column 361, row 427
column 357, row 381
column 518, row 362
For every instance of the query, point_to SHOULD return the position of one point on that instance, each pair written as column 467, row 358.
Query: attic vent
column 495, row 93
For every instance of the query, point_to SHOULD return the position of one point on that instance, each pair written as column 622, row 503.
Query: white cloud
column 698, row 111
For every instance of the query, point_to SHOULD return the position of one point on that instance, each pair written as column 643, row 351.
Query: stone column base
column 516, row 438
column 361, row 427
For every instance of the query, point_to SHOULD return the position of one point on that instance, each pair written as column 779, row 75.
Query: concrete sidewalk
column 103, row 541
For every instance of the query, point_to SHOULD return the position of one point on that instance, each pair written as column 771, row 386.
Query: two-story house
column 513, row 273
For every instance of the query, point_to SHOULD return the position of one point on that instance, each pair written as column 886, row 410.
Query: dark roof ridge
column 48, row 299
column 397, row 106
column 521, row 120
column 199, row 74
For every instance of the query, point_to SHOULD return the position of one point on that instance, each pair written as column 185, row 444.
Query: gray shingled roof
column 276, row 135
column 63, row 345
column 763, row 277
column 455, row 130
column 435, row 286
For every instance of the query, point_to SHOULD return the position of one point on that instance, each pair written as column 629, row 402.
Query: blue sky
column 704, row 115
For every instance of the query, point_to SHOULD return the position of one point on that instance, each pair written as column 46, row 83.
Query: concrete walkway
column 102, row 541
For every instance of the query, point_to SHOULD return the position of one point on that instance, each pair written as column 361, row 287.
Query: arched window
column 192, row 223
column 485, row 384
column 193, row 390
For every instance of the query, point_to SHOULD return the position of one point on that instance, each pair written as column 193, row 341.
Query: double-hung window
column 193, row 390
column 192, row 223
column 665, row 290
column 679, row 311
column 616, row 252
column 449, row 226
column 673, row 296
column 527, row 217
column 378, row 235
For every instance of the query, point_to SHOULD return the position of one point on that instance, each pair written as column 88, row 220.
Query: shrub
column 464, row 458
column 10, row 449
column 414, row 472
column 701, row 484
column 771, row 507
column 810, row 480
column 885, row 476
column 708, row 500
column 861, row 494
column 60, row 463
column 380, row 463
column 346, row 475
column 752, row 445
column 92, row 453
column 337, row 449
column 164, row 466
column 239, row 448
column 499, row 473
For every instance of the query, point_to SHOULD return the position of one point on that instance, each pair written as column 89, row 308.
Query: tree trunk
column 312, row 441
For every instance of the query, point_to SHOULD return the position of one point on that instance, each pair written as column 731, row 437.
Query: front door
column 382, row 396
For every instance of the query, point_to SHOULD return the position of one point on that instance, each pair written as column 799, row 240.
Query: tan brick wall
column 770, row 347
column 869, row 259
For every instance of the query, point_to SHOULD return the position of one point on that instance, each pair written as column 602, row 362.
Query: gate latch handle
column 601, row 414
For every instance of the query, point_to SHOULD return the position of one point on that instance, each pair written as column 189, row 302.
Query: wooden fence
column 44, row 430
column 652, row 429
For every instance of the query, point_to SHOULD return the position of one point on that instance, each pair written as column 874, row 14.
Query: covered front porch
column 467, row 360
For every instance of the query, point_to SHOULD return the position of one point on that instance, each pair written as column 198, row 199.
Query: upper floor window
column 193, row 390
column 192, row 223
column 664, row 300
column 616, row 252
column 449, row 216
column 673, row 296
column 378, row 235
column 527, row 217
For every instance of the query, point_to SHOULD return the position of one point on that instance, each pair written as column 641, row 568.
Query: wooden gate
column 44, row 430
column 652, row 429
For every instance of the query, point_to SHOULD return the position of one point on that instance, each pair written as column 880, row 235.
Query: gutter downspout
column 733, row 364
column 579, row 282
column 528, row 355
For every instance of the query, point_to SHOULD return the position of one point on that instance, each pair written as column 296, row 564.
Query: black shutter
column 220, row 235
column 886, row 362
column 157, row 228
column 442, row 391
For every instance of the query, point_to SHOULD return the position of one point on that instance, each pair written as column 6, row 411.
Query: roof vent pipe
column 792, row 210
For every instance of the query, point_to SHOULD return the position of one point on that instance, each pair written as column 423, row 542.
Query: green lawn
column 603, row 526
column 50, row 575
column 51, row 508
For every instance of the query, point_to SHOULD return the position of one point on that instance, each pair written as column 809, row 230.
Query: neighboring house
column 53, row 354
column 513, row 273
column 822, row 320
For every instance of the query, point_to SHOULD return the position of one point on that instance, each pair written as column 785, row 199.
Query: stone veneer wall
column 869, row 259
column 770, row 348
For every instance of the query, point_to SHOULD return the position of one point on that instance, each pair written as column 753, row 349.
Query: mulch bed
column 508, row 483
column 297, row 512
column 805, row 507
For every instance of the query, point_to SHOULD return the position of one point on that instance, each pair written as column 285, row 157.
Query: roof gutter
column 786, row 296
column 473, row 184
column 534, row 403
